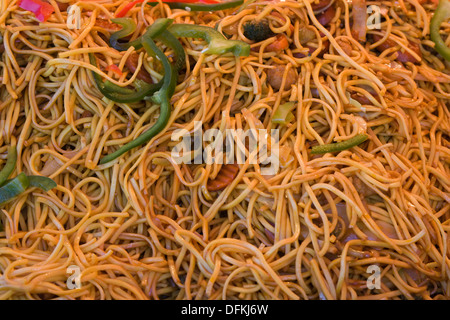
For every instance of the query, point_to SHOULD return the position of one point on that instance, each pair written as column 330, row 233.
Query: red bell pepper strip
column 115, row 69
column 41, row 10
column 129, row 6
column 279, row 44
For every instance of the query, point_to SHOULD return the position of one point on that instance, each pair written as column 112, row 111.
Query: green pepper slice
column 201, row 7
column 42, row 182
column 142, row 88
column 340, row 146
column 10, row 164
column 162, row 96
column 217, row 43
column 128, row 28
column 441, row 14
column 120, row 94
column 14, row 187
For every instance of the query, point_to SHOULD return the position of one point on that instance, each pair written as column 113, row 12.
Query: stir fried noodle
column 144, row 226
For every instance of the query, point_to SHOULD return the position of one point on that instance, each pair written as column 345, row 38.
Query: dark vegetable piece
column 159, row 32
column 258, row 30
column 340, row 146
column 363, row 99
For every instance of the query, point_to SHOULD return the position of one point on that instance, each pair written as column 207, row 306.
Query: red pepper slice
column 226, row 175
column 115, row 69
column 128, row 7
column 279, row 44
column 41, row 10
column 193, row 1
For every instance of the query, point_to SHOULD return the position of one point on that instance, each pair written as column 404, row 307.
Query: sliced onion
column 286, row 156
column 342, row 212
column 385, row 227
column 55, row 164
column 50, row 167
column 269, row 235
column 413, row 274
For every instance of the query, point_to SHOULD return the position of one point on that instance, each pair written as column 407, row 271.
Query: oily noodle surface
column 144, row 227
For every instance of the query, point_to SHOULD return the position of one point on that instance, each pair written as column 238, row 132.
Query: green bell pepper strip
column 143, row 89
column 340, row 146
column 169, row 40
column 441, row 14
column 10, row 165
column 42, row 182
column 14, row 187
column 128, row 28
column 121, row 94
column 169, row 83
column 201, row 7
column 217, row 43
column 162, row 35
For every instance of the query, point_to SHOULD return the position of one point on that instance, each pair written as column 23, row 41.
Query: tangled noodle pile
column 144, row 227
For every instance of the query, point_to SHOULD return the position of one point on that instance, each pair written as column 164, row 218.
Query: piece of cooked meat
column 275, row 77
